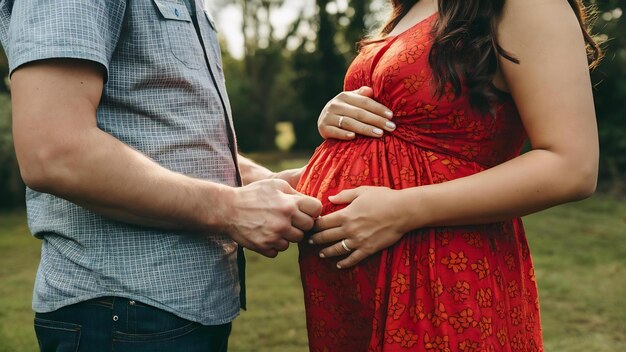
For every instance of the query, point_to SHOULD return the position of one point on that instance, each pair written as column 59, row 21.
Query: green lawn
column 579, row 251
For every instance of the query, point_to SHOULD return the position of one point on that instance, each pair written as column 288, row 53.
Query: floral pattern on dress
column 463, row 288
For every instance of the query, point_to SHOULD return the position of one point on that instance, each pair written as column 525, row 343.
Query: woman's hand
column 362, row 228
column 354, row 112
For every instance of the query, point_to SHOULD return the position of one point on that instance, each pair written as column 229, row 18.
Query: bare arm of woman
column 552, row 90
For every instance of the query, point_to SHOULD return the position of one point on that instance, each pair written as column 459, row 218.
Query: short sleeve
column 76, row 29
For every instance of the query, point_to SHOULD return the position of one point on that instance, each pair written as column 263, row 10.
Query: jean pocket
column 183, row 40
column 161, row 336
column 149, row 324
column 57, row 336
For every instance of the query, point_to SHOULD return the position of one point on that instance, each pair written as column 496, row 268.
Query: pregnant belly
column 388, row 162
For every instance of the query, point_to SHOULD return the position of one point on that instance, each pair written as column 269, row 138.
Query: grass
column 579, row 251
column 19, row 256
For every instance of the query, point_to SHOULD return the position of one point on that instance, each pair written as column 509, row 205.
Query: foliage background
column 290, row 78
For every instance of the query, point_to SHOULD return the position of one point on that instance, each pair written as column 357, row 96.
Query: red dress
column 468, row 288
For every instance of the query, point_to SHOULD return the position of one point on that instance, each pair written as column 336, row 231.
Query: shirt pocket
column 183, row 40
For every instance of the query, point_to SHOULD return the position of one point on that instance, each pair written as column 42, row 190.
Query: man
column 123, row 133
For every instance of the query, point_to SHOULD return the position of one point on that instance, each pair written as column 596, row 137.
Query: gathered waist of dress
column 410, row 141
column 387, row 161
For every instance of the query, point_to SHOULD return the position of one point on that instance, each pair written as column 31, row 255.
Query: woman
column 424, row 220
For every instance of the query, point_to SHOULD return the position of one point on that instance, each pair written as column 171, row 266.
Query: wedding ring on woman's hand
column 341, row 117
column 345, row 246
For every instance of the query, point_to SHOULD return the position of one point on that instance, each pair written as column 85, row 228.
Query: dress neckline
column 413, row 27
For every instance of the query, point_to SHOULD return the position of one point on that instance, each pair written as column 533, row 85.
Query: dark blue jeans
column 114, row 324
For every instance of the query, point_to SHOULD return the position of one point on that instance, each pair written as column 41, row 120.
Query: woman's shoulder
column 528, row 20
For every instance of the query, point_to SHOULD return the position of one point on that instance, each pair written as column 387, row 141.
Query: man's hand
column 265, row 216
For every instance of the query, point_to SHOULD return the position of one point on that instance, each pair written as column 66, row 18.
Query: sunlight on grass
column 578, row 251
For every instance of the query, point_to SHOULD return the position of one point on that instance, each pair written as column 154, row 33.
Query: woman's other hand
column 362, row 228
column 354, row 112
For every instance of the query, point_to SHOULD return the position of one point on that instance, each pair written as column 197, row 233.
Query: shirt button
column 176, row 13
column 116, row 318
column 132, row 303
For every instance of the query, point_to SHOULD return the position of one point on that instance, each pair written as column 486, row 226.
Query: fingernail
column 390, row 125
column 311, row 242
column 389, row 113
column 350, row 134
column 338, row 266
column 322, row 255
column 377, row 131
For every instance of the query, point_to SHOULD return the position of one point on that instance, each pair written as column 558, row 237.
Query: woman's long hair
column 465, row 45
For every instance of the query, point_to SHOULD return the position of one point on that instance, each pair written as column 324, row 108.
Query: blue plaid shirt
column 164, row 96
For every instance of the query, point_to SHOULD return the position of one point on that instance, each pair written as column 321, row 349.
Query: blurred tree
column 320, row 64
column 259, row 87
column 274, row 83
column 4, row 69
column 357, row 29
column 11, row 186
column 610, row 94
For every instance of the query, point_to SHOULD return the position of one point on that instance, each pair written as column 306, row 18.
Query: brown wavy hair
column 465, row 45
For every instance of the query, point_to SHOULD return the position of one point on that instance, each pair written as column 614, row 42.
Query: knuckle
column 284, row 228
column 368, row 249
column 365, row 102
column 358, row 115
column 265, row 250
column 282, row 184
column 287, row 209
column 306, row 225
column 331, row 108
column 368, row 103
column 349, row 228
column 279, row 228
column 268, row 243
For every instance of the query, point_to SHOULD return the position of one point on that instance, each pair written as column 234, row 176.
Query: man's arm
column 62, row 151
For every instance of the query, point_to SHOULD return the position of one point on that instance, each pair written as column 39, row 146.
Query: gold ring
column 345, row 246
column 340, row 121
